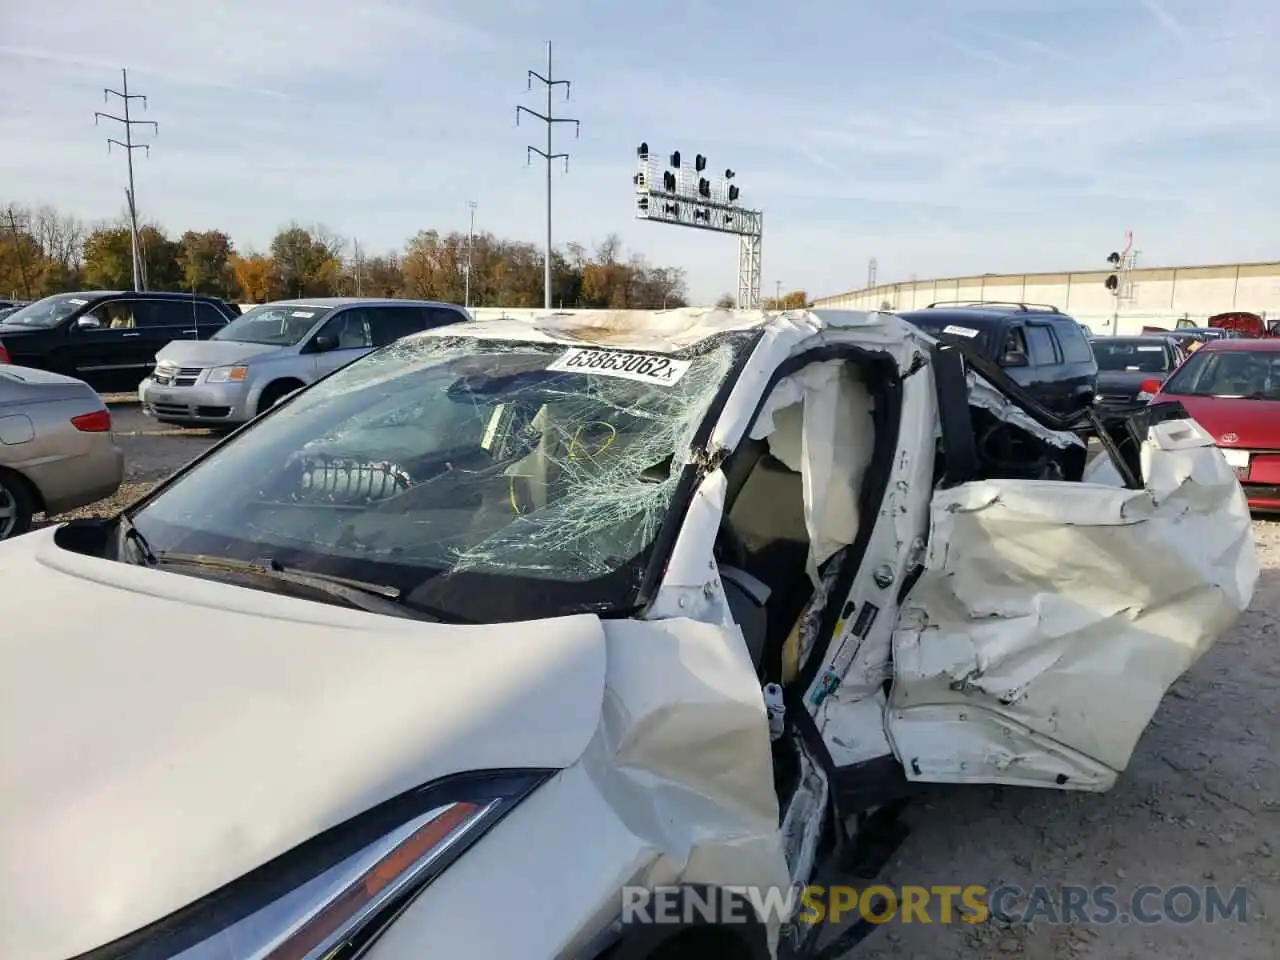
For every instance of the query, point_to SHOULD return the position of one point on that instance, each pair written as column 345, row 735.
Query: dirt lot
column 1198, row 806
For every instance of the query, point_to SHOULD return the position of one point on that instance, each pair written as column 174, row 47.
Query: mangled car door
column 1052, row 616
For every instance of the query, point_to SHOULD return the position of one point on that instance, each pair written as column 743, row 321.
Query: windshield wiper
column 361, row 594
column 133, row 535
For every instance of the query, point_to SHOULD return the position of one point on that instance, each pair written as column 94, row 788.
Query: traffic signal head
column 699, row 163
column 1112, row 283
column 1114, row 259
column 704, row 187
column 675, row 160
column 642, row 151
column 734, row 193
column 668, row 181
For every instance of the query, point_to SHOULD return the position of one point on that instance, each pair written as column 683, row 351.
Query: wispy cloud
column 974, row 52
column 1171, row 24
column 108, row 67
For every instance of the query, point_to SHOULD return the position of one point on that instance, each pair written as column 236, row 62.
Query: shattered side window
column 435, row 458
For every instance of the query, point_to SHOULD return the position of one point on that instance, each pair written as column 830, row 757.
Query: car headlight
column 227, row 374
column 330, row 897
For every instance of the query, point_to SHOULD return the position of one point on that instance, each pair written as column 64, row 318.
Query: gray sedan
column 57, row 451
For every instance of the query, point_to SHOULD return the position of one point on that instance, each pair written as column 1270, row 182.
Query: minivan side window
column 442, row 316
column 1075, row 348
column 1041, row 345
column 389, row 324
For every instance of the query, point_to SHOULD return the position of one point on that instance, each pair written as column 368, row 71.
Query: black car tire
column 274, row 393
column 16, row 496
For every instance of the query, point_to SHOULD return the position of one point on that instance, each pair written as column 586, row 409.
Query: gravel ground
column 1199, row 804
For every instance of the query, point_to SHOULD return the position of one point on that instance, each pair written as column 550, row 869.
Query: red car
column 1232, row 389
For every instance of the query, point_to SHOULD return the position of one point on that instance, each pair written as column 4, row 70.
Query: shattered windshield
column 488, row 481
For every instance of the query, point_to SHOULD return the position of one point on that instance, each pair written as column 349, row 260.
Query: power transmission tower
column 17, row 246
column 547, row 155
column 872, row 265
column 139, row 275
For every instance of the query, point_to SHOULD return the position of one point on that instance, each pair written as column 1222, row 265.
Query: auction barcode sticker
column 642, row 367
column 960, row 331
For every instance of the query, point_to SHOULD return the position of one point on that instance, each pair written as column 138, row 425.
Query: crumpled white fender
column 682, row 755
column 1052, row 617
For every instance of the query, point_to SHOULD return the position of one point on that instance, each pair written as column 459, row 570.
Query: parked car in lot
column 1043, row 350
column 57, row 451
column 107, row 338
column 274, row 349
column 1232, row 389
column 1128, row 365
column 11, row 306
column 542, row 613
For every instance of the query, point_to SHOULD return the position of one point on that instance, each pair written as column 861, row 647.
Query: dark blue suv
column 1039, row 347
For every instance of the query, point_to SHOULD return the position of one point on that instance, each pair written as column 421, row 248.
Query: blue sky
column 938, row 136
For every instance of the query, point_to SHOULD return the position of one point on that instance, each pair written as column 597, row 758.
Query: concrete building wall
column 1158, row 295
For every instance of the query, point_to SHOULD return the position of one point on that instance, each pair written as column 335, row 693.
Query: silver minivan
column 274, row 349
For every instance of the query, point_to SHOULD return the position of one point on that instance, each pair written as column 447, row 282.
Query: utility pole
column 355, row 257
column 471, row 243
column 22, row 257
column 777, row 294
column 139, row 278
column 872, row 266
column 547, row 155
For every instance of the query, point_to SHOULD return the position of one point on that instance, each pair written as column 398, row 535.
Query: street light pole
column 471, row 242
column 547, row 155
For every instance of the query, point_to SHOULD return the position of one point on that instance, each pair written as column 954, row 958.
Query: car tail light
column 4, row 354
column 97, row 422
column 1149, row 389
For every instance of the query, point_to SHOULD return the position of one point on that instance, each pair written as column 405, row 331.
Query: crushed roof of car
column 661, row 330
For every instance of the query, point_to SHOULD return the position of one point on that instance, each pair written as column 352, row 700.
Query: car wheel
column 274, row 394
column 16, row 505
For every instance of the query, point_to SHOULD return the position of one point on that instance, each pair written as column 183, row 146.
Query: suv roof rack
column 1022, row 307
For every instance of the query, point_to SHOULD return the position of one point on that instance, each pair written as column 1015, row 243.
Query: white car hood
column 162, row 734
column 213, row 353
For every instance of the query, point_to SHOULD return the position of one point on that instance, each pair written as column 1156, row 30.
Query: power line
column 547, row 155
column 139, row 273
column 17, row 246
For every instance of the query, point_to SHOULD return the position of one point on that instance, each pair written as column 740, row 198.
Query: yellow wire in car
column 577, row 452
column 576, row 444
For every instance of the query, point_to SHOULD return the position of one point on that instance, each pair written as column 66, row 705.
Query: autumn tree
column 308, row 261
column 257, row 277
column 44, row 251
column 205, row 257
column 108, row 259
column 795, row 300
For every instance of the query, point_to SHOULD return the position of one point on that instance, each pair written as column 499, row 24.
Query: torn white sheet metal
column 983, row 394
column 1052, row 617
column 818, row 421
column 676, row 786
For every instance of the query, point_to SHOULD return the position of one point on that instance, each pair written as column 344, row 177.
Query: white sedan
column 466, row 648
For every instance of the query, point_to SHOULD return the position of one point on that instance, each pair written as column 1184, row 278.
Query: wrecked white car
column 445, row 653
